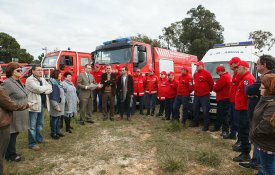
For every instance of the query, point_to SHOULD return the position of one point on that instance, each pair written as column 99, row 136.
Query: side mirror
column 141, row 48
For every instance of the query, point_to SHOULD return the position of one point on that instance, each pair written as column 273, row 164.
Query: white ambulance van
column 221, row 54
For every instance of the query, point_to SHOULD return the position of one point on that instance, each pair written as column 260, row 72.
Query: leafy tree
column 262, row 39
column 40, row 57
column 145, row 39
column 11, row 49
column 195, row 34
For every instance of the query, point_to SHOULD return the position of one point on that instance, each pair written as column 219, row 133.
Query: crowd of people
column 245, row 106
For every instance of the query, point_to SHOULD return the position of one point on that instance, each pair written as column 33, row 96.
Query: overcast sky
column 84, row 24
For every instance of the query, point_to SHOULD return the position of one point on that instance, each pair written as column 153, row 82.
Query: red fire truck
column 126, row 52
column 65, row 60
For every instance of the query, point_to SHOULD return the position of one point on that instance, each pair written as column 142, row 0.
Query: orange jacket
column 151, row 84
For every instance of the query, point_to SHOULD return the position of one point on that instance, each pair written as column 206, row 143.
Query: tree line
column 195, row 35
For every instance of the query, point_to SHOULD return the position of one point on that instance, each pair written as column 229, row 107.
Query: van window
column 68, row 60
column 84, row 61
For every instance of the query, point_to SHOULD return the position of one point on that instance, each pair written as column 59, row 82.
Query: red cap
column 199, row 63
column 97, row 65
column 234, row 60
column 138, row 70
column 220, row 68
column 171, row 73
column 185, row 68
column 163, row 72
column 243, row 63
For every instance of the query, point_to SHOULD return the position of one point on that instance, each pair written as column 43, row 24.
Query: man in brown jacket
column 6, row 108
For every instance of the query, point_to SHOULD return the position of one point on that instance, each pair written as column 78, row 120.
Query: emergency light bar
column 245, row 43
column 118, row 40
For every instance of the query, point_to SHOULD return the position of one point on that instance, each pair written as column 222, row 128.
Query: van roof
column 246, row 53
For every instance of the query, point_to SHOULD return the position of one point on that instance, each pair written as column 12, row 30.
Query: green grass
column 162, row 147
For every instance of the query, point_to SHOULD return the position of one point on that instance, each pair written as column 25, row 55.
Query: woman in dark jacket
column 262, row 132
column 6, row 108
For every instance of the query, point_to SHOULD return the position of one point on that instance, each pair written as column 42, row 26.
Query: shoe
column 237, row 148
column 205, row 128
column 153, row 112
column 214, row 129
column 230, row 136
column 148, row 112
column 250, row 165
column 243, row 157
column 224, row 133
column 193, row 124
column 55, row 137
column 60, row 135
column 141, row 113
column 35, row 148
column 90, row 121
column 16, row 159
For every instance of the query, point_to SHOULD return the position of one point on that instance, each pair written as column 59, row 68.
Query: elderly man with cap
column 138, row 91
column 203, row 85
column 161, row 92
column 233, row 115
column 171, row 93
column 97, row 73
column 151, row 87
column 185, row 87
column 222, row 88
column 241, row 106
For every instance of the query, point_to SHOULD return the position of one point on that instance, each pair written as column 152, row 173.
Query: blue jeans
column 150, row 100
column 97, row 92
column 234, row 123
column 36, row 123
column 140, row 103
column 169, row 102
column 55, row 125
column 181, row 100
column 255, row 160
column 267, row 163
column 204, row 103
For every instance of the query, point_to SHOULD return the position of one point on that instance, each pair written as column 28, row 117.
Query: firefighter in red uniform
column 203, row 85
column 138, row 91
column 232, row 92
column 185, row 87
column 97, row 92
column 222, row 88
column 171, row 93
column 161, row 92
column 151, row 87
column 241, row 106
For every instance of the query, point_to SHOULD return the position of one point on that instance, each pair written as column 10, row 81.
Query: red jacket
column 233, row 87
column 151, row 84
column 241, row 100
column 222, row 86
column 138, row 85
column 185, row 85
column 171, row 88
column 97, row 76
column 162, row 83
column 203, row 83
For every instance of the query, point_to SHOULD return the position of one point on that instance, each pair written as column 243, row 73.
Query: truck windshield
column 50, row 61
column 211, row 67
column 122, row 55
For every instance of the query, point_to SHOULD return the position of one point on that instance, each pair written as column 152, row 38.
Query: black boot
column 243, row 157
column 153, row 112
column 148, row 112
column 67, row 122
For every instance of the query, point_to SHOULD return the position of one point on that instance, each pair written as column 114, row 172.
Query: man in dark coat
column 125, row 90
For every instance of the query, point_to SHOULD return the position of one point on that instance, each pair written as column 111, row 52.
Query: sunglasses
column 18, row 70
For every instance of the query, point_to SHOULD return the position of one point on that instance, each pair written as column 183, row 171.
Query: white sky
column 84, row 24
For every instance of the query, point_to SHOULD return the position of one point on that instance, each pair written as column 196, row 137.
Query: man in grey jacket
column 37, row 88
column 86, row 83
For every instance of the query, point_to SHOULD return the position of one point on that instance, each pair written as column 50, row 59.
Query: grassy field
column 145, row 145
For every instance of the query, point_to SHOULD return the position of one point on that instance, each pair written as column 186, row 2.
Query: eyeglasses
column 18, row 70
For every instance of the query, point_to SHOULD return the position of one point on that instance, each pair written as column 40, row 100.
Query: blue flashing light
column 117, row 40
column 245, row 43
